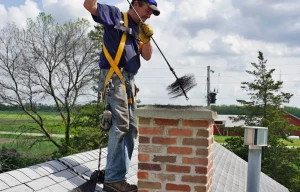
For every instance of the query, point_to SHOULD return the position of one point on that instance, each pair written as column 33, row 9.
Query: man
column 119, row 62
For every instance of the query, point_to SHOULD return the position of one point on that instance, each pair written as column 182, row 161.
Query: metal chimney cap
column 254, row 127
column 256, row 136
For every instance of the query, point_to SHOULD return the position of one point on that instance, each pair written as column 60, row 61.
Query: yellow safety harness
column 115, row 62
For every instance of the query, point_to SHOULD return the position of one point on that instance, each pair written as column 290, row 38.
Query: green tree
column 266, row 100
column 96, row 36
column 264, row 108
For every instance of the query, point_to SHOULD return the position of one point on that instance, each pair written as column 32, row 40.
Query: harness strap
column 126, row 30
column 115, row 62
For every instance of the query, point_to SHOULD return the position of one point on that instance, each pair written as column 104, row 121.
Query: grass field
column 18, row 122
column 39, row 149
column 221, row 139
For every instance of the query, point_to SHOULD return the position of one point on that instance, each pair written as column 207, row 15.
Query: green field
column 22, row 144
column 19, row 122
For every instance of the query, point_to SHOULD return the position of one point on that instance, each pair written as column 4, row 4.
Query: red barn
column 293, row 120
column 224, row 124
column 224, row 121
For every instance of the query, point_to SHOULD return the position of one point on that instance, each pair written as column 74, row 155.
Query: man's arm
column 91, row 6
column 146, row 51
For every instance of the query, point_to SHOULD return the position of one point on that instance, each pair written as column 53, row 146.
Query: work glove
column 146, row 32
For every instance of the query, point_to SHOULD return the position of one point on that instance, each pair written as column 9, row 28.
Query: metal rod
column 160, row 52
column 208, row 87
column 254, row 164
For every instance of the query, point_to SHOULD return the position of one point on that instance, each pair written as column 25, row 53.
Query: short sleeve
column 107, row 15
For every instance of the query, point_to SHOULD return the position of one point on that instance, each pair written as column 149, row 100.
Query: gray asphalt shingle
column 229, row 173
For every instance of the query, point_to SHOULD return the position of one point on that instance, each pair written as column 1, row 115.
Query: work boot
column 121, row 186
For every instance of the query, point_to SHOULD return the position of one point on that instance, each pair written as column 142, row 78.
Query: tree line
column 235, row 110
column 220, row 109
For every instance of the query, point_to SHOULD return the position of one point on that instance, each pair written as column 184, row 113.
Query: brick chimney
column 175, row 148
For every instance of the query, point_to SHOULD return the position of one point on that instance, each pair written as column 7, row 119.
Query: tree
column 96, row 36
column 47, row 62
column 266, row 100
column 265, row 109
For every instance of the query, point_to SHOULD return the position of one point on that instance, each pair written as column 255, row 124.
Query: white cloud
column 66, row 10
column 19, row 15
column 225, row 34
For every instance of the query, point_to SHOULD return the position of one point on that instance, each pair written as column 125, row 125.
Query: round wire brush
column 183, row 84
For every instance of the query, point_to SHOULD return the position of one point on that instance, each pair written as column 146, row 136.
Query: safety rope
column 102, row 137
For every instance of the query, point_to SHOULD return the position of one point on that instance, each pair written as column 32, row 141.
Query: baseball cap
column 153, row 5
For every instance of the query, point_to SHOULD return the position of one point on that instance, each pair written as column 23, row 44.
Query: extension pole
column 254, row 164
column 208, row 87
column 171, row 68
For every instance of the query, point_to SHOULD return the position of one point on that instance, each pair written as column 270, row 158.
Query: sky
column 193, row 34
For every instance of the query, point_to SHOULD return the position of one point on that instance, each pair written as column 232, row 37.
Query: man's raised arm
column 91, row 6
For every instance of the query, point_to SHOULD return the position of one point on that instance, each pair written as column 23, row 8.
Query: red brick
column 143, row 157
column 180, row 132
column 144, row 121
column 201, row 170
column 143, row 139
column 164, row 140
column 202, row 133
column 149, row 166
column 179, row 150
column 194, row 160
column 195, row 142
column 150, row 149
column 166, row 122
column 194, row 179
column 149, row 185
column 174, row 187
column 150, row 131
column 202, row 151
column 142, row 175
column 164, row 159
column 195, row 123
column 178, row 169
column 163, row 177
column 200, row 189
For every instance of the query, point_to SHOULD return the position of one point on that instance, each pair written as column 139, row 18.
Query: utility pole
column 208, row 87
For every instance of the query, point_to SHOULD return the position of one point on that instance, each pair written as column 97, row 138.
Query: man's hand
column 146, row 33
column 91, row 6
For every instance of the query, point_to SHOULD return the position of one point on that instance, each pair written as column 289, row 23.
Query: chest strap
column 115, row 62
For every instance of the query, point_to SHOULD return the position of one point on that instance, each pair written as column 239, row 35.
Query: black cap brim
column 156, row 12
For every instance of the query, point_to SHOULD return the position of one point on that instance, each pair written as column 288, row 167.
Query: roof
column 54, row 176
column 228, row 121
column 292, row 115
column 230, row 173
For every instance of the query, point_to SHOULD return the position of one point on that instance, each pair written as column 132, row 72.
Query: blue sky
column 224, row 34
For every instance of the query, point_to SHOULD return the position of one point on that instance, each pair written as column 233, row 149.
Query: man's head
column 145, row 8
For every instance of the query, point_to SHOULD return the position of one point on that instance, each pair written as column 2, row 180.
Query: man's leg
column 130, row 137
column 115, row 167
column 118, row 152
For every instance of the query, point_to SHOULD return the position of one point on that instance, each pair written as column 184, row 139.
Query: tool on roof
column 183, row 84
